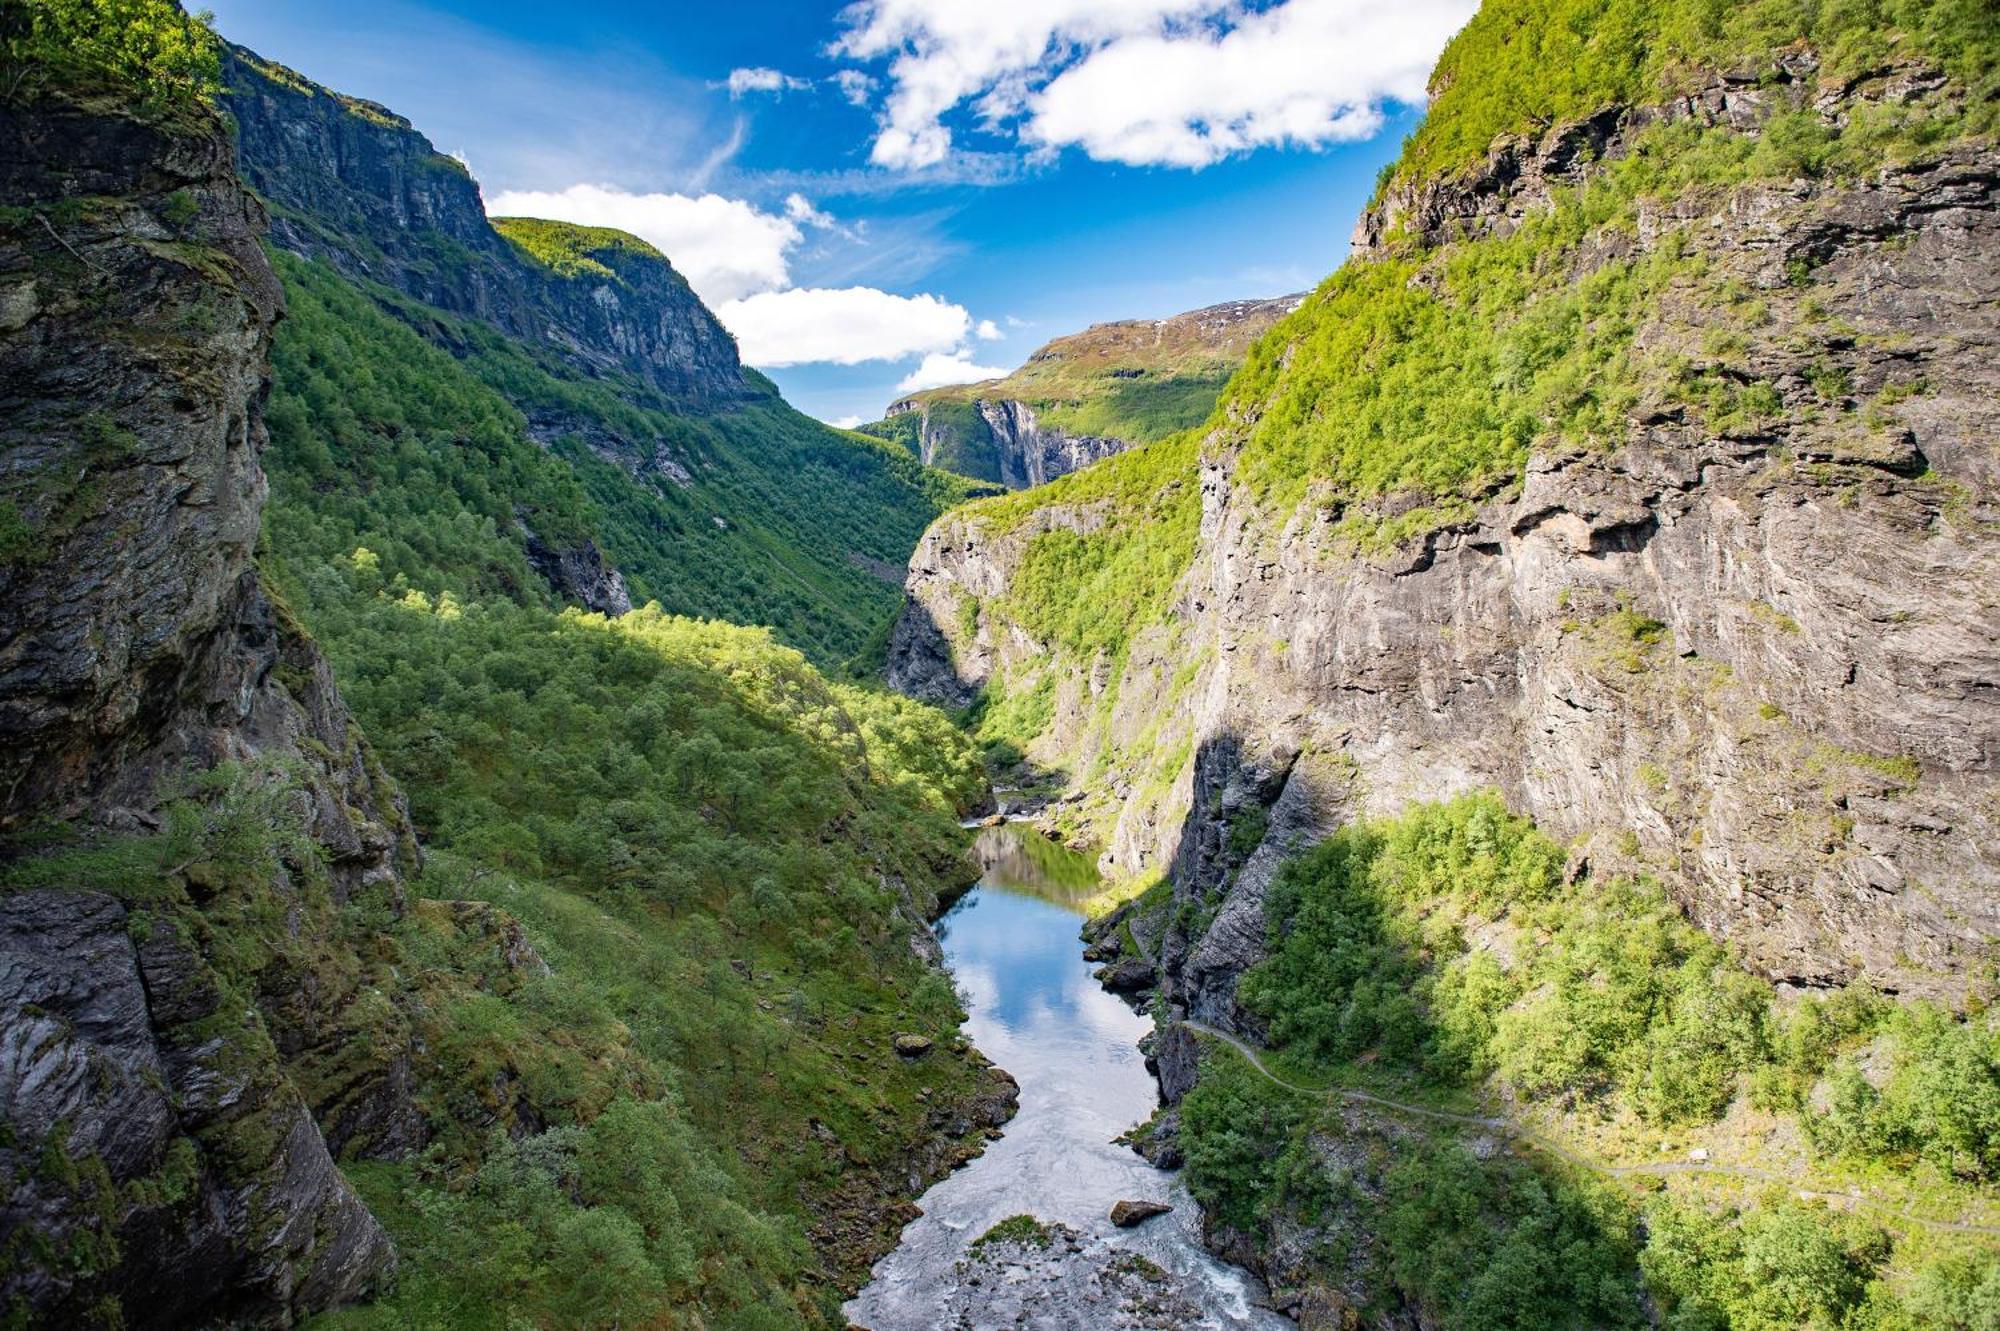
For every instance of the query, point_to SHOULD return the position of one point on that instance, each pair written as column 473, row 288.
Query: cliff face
column 164, row 1159
column 1755, row 661
column 1086, row 396
column 1000, row 440
column 355, row 185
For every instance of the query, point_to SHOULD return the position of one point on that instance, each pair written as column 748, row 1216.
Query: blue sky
column 868, row 191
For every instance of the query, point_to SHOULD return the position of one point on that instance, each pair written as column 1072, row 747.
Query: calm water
column 1035, row 1010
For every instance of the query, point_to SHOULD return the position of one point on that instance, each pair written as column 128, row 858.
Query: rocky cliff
column 1752, row 656
column 158, row 1074
column 354, row 184
column 1084, row 397
column 999, row 440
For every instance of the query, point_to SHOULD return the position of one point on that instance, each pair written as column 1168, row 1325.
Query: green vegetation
column 707, row 842
column 1442, row 951
column 1022, row 1229
column 383, row 440
column 1088, row 592
column 147, row 52
column 1137, row 381
column 1415, row 384
column 1140, row 410
column 717, row 850
column 1599, row 994
column 569, row 250
column 1589, row 54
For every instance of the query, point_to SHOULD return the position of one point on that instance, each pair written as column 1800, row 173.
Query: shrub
column 148, row 49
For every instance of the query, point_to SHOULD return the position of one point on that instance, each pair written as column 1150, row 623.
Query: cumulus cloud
column 736, row 257
column 1146, row 82
column 942, row 368
column 854, row 85
column 842, row 325
column 726, row 248
column 844, row 422
column 988, row 331
column 759, row 79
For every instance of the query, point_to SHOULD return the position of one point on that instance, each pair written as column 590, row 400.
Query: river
column 1012, row 944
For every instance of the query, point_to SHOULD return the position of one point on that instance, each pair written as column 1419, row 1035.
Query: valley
column 1473, row 788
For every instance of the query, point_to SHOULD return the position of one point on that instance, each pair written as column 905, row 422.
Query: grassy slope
column 361, row 402
column 1439, row 959
column 570, row 250
column 705, row 838
column 1138, row 380
column 1433, row 374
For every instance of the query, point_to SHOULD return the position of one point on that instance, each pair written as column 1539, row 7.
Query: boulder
column 1126, row 1214
column 913, row 1046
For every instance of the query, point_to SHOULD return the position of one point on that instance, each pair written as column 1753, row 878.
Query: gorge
column 1474, row 786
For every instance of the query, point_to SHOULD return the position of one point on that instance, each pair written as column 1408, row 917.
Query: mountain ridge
column 1083, row 396
column 1477, row 714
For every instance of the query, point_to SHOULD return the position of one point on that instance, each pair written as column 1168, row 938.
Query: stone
column 378, row 193
column 913, row 1046
column 1776, row 661
column 1126, row 1214
column 1128, row 975
column 138, row 644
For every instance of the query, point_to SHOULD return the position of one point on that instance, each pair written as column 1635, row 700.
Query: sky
column 891, row 194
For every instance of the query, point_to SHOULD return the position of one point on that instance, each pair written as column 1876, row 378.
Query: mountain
column 1555, row 689
column 375, row 928
column 1083, row 397
column 663, row 469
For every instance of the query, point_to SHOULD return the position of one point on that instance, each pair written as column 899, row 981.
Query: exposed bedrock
column 1763, row 666
column 164, row 1163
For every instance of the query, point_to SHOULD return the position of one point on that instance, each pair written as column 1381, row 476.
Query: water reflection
column 1035, row 1010
column 1017, row 859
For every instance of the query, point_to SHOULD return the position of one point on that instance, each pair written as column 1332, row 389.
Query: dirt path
column 1557, row 1149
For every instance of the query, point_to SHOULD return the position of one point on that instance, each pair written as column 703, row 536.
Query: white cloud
column 735, row 256
column 988, row 331
column 939, row 369
column 844, row 422
column 1147, row 82
column 741, row 81
column 844, row 325
column 800, row 210
column 854, row 85
column 726, row 248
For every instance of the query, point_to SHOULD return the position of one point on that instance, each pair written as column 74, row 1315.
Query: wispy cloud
column 759, row 79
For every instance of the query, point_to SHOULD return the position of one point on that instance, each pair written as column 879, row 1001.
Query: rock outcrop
column 165, row 1164
column 354, row 184
column 1757, row 662
column 1147, row 378
column 1001, row 440
column 580, row 573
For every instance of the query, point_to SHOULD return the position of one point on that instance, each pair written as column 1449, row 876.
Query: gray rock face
column 1804, row 744
column 1021, row 450
column 388, row 207
column 113, row 1058
column 582, row 574
column 161, row 1155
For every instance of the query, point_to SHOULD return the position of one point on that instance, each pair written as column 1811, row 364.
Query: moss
column 1776, row 618
column 572, row 251
column 1024, row 1230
